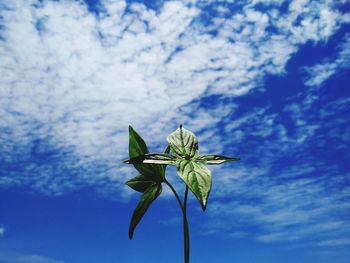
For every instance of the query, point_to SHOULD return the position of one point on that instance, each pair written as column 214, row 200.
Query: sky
column 263, row 80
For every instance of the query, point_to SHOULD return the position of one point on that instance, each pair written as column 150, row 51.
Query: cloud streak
column 11, row 257
column 320, row 73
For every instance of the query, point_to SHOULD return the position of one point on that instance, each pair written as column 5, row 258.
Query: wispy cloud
column 12, row 257
column 319, row 73
column 2, row 231
column 335, row 242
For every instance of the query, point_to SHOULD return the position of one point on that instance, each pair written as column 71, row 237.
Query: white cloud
column 319, row 73
column 2, row 231
column 335, row 242
column 13, row 257
column 74, row 80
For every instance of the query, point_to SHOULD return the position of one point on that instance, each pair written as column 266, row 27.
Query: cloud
column 73, row 80
column 11, row 257
column 320, row 73
column 2, row 231
column 335, row 242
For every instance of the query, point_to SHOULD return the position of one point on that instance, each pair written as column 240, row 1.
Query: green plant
column 182, row 151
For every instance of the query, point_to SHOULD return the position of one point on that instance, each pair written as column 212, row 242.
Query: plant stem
column 186, row 230
column 185, row 222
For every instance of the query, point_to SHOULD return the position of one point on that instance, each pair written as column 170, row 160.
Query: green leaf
column 153, row 158
column 146, row 200
column 183, row 143
column 216, row 159
column 139, row 183
column 197, row 177
column 138, row 147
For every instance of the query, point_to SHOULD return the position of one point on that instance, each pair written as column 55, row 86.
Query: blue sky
column 266, row 81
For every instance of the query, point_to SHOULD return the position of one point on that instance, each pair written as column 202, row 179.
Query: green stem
column 186, row 230
column 185, row 222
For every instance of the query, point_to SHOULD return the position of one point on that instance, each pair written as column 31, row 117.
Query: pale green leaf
column 153, row 158
column 197, row 177
column 216, row 159
column 183, row 143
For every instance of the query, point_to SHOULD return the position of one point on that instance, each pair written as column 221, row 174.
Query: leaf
column 153, row 158
column 138, row 147
column 216, row 159
column 139, row 183
column 197, row 177
column 183, row 143
column 146, row 200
